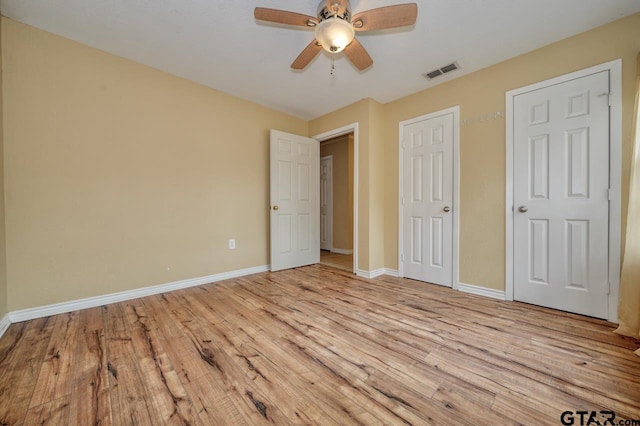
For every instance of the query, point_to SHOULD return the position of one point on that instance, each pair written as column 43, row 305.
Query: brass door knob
column 446, row 209
column 275, row 207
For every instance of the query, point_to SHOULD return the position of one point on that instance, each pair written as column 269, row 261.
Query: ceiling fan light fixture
column 334, row 34
column 335, row 28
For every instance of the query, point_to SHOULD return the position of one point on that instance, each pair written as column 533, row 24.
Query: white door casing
column 428, row 215
column 295, row 218
column 563, row 193
column 350, row 128
column 326, row 203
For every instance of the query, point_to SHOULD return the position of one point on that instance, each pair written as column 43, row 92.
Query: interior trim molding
column 369, row 274
column 376, row 273
column 345, row 130
column 5, row 322
column 92, row 302
column 362, row 273
column 391, row 272
column 482, row 291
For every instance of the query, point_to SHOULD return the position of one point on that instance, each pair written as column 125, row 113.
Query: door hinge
column 402, row 257
column 609, row 194
column 402, row 201
column 608, row 95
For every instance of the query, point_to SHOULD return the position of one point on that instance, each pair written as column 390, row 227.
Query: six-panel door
column 561, row 182
column 295, row 218
column 427, row 199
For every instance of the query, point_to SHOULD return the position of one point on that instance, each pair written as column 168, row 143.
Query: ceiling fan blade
column 340, row 4
column 358, row 55
column 306, row 56
column 283, row 17
column 387, row 17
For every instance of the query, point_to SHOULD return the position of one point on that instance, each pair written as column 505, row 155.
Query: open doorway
column 337, row 201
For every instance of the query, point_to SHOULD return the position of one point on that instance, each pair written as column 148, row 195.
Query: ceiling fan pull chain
column 333, row 64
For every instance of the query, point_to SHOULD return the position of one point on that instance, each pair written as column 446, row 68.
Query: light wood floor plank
column 90, row 402
column 54, row 412
column 56, row 375
column 21, row 367
column 315, row 345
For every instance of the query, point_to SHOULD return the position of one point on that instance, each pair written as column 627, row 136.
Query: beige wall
column 482, row 144
column 339, row 149
column 377, row 167
column 119, row 176
column 3, row 269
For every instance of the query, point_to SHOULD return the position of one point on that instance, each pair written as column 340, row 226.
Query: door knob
column 523, row 209
column 446, row 209
column 275, row 207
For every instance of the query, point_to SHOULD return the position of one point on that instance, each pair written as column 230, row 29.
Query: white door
column 295, row 218
column 427, row 199
column 326, row 203
column 561, row 207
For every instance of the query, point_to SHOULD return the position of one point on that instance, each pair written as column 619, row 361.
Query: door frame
column 455, row 110
column 615, row 175
column 345, row 130
column 328, row 158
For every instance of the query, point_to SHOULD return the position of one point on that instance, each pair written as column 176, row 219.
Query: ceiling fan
column 335, row 28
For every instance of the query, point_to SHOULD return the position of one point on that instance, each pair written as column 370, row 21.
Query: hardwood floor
column 336, row 260
column 315, row 345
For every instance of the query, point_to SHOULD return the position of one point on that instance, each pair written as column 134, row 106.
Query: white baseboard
column 376, row 272
column 482, row 291
column 391, row 272
column 362, row 273
column 369, row 274
column 5, row 322
column 92, row 302
column 341, row 251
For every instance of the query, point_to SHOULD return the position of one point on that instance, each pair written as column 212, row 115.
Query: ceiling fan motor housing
column 325, row 13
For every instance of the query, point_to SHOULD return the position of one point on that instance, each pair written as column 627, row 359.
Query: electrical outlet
column 232, row 244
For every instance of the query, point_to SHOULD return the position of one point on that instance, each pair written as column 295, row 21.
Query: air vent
column 433, row 74
column 441, row 71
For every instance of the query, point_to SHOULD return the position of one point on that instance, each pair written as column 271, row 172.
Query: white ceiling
column 219, row 44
